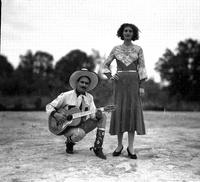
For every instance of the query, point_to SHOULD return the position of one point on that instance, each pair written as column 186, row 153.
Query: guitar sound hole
column 69, row 117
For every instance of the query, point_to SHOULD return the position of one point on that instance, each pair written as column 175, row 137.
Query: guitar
column 73, row 118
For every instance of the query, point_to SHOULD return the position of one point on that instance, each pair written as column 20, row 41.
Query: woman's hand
column 141, row 92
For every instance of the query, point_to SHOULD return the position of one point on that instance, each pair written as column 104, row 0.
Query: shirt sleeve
column 55, row 104
column 141, row 66
column 108, row 61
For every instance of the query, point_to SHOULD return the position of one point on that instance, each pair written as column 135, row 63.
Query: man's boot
column 98, row 144
column 69, row 145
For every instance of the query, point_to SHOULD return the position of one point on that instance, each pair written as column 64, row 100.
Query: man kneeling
column 81, row 81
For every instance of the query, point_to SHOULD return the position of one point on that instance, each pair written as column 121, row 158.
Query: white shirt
column 67, row 99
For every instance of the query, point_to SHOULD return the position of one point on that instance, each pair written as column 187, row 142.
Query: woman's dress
column 131, row 70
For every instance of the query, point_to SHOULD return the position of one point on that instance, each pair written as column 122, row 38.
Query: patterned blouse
column 127, row 58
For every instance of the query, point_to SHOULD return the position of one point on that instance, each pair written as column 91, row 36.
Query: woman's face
column 127, row 33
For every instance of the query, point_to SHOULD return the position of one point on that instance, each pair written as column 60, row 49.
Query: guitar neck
column 85, row 113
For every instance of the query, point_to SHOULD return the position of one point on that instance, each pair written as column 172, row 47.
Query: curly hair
column 133, row 27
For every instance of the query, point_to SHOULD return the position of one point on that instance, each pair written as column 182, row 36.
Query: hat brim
column 77, row 74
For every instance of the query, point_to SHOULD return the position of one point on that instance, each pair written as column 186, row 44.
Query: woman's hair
column 133, row 27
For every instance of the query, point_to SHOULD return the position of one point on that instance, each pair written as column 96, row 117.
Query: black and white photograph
column 100, row 90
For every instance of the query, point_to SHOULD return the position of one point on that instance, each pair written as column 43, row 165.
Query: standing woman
column 128, row 87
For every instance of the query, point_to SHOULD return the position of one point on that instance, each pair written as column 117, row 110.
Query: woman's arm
column 142, row 72
column 141, row 67
column 106, row 65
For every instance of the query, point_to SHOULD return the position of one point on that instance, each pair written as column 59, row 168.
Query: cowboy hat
column 84, row 72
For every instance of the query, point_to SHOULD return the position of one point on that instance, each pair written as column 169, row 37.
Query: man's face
column 83, row 84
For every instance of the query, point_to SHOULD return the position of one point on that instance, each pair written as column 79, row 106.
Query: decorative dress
column 131, row 70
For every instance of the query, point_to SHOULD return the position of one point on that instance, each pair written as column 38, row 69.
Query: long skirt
column 129, row 115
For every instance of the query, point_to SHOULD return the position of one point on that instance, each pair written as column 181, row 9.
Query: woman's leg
column 131, row 136
column 119, row 140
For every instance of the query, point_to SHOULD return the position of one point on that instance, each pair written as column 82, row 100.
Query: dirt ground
column 169, row 152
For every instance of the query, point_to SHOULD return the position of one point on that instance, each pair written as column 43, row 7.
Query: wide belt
column 127, row 71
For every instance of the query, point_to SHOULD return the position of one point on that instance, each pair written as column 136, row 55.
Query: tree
column 33, row 73
column 39, row 63
column 74, row 60
column 43, row 63
column 6, row 69
column 6, row 73
column 98, row 62
column 181, row 69
column 43, row 73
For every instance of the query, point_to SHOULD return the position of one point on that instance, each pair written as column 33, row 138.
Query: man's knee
column 76, row 134
column 102, row 122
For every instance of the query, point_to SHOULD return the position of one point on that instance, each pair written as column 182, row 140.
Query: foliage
column 103, row 93
column 35, row 82
column 74, row 60
column 34, row 73
column 6, row 69
column 181, row 69
column 6, row 72
column 155, row 97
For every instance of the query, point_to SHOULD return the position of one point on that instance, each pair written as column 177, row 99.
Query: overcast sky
column 59, row 26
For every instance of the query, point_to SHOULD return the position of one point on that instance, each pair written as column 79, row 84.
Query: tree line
column 38, row 80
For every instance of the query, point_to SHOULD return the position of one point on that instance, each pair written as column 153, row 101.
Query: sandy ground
column 169, row 152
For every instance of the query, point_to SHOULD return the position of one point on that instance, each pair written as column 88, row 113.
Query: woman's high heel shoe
column 132, row 156
column 115, row 153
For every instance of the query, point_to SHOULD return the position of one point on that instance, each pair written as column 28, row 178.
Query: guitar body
column 73, row 118
column 58, row 127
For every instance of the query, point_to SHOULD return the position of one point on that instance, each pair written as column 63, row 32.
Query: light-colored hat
column 84, row 72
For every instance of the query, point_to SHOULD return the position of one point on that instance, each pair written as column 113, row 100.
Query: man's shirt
column 69, row 99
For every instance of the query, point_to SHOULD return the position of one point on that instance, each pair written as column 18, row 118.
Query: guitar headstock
column 110, row 108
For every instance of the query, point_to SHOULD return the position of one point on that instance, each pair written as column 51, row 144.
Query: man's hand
column 141, row 92
column 99, row 114
column 60, row 117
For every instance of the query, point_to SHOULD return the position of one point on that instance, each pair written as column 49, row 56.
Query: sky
column 59, row 26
